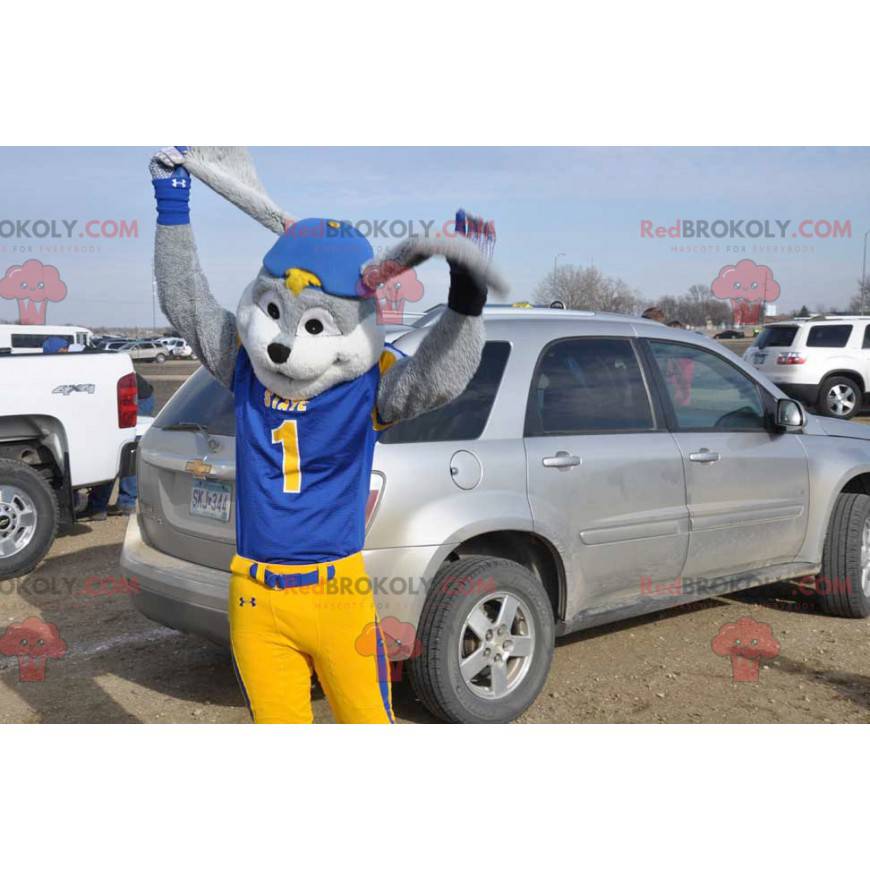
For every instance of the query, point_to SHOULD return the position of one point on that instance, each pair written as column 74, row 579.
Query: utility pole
column 154, row 305
column 864, row 274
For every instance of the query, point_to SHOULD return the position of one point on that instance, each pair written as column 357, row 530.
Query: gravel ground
column 119, row 667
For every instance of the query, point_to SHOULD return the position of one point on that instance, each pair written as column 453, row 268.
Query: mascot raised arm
column 313, row 382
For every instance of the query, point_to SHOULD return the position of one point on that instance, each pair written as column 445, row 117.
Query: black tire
column 839, row 590
column 161, row 358
column 44, row 501
column 842, row 382
column 458, row 588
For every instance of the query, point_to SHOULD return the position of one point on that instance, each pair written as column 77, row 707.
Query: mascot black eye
column 274, row 311
column 314, row 326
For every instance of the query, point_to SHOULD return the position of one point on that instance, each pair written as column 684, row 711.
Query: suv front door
column 605, row 478
column 747, row 486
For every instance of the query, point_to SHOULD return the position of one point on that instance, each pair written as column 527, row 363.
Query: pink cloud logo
column 746, row 642
column 33, row 285
column 746, row 285
column 393, row 286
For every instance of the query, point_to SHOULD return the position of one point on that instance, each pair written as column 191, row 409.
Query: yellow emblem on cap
column 296, row 280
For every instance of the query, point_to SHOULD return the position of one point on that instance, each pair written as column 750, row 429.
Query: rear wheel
column 28, row 518
column 839, row 396
column 487, row 638
column 843, row 587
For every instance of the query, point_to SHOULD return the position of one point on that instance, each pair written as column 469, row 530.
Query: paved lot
column 119, row 667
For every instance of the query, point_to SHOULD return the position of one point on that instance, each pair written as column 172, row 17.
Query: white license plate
column 211, row 499
column 760, row 358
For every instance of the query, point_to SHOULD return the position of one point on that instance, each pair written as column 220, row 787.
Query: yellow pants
column 288, row 621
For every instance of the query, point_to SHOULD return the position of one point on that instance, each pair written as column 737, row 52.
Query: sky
column 584, row 205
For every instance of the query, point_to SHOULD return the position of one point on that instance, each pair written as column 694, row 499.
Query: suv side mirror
column 790, row 415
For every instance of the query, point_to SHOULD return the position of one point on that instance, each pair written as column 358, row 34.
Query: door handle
column 704, row 455
column 562, row 460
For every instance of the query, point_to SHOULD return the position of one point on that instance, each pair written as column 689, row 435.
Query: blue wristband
column 173, row 198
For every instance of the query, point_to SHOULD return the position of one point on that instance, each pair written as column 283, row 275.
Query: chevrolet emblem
column 198, row 468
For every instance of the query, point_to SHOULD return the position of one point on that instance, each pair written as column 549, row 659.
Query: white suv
column 824, row 362
column 177, row 347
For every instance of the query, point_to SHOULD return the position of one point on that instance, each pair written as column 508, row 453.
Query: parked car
column 178, row 348
column 144, row 351
column 114, row 344
column 729, row 333
column 66, row 421
column 824, row 362
column 596, row 468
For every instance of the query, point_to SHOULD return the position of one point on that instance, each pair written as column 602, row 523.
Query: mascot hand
column 171, row 186
column 467, row 293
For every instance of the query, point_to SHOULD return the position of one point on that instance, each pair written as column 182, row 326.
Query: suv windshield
column 776, row 336
column 202, row 401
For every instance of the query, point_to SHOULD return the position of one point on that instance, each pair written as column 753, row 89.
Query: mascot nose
column 278, row 353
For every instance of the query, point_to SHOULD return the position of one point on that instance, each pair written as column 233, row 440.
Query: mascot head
column 307, row 321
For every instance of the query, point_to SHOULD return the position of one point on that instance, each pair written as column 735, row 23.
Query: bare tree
column 695, row 307
column 860, row 302
column 587, row 288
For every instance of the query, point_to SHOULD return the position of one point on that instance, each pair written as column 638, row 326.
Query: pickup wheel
column 843, row 587
column 486, row 636
column 840, row 397
column 28, row 518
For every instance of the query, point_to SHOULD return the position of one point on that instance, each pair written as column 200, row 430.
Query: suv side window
column 834, row 335
column 866, row 343
column 705, row 390
column 587, row 385
column 465, row 417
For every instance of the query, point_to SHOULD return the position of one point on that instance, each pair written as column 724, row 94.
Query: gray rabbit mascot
column 313, row 383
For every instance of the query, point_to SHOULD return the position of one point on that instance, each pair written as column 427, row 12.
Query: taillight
column 376, row 488
column 790, row 359
column 128, row 402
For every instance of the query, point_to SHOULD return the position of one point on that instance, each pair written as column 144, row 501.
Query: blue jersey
column 303, row 467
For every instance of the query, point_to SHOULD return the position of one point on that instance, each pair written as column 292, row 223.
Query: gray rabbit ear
column 229, row 171
column 457, row 249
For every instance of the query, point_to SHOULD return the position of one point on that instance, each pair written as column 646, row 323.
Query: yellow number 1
column 287, row 437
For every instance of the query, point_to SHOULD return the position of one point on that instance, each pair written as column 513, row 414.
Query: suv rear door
column 774, row 340
column 191, row 446
column 605, row 478
column 747, row 485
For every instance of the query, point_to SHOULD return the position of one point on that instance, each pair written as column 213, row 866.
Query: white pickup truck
column 66, row 421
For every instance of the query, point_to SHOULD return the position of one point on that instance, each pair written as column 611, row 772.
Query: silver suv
column 596, row 468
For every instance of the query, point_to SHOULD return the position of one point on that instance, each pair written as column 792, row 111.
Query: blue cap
column 333, row 252
column 54, row 344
